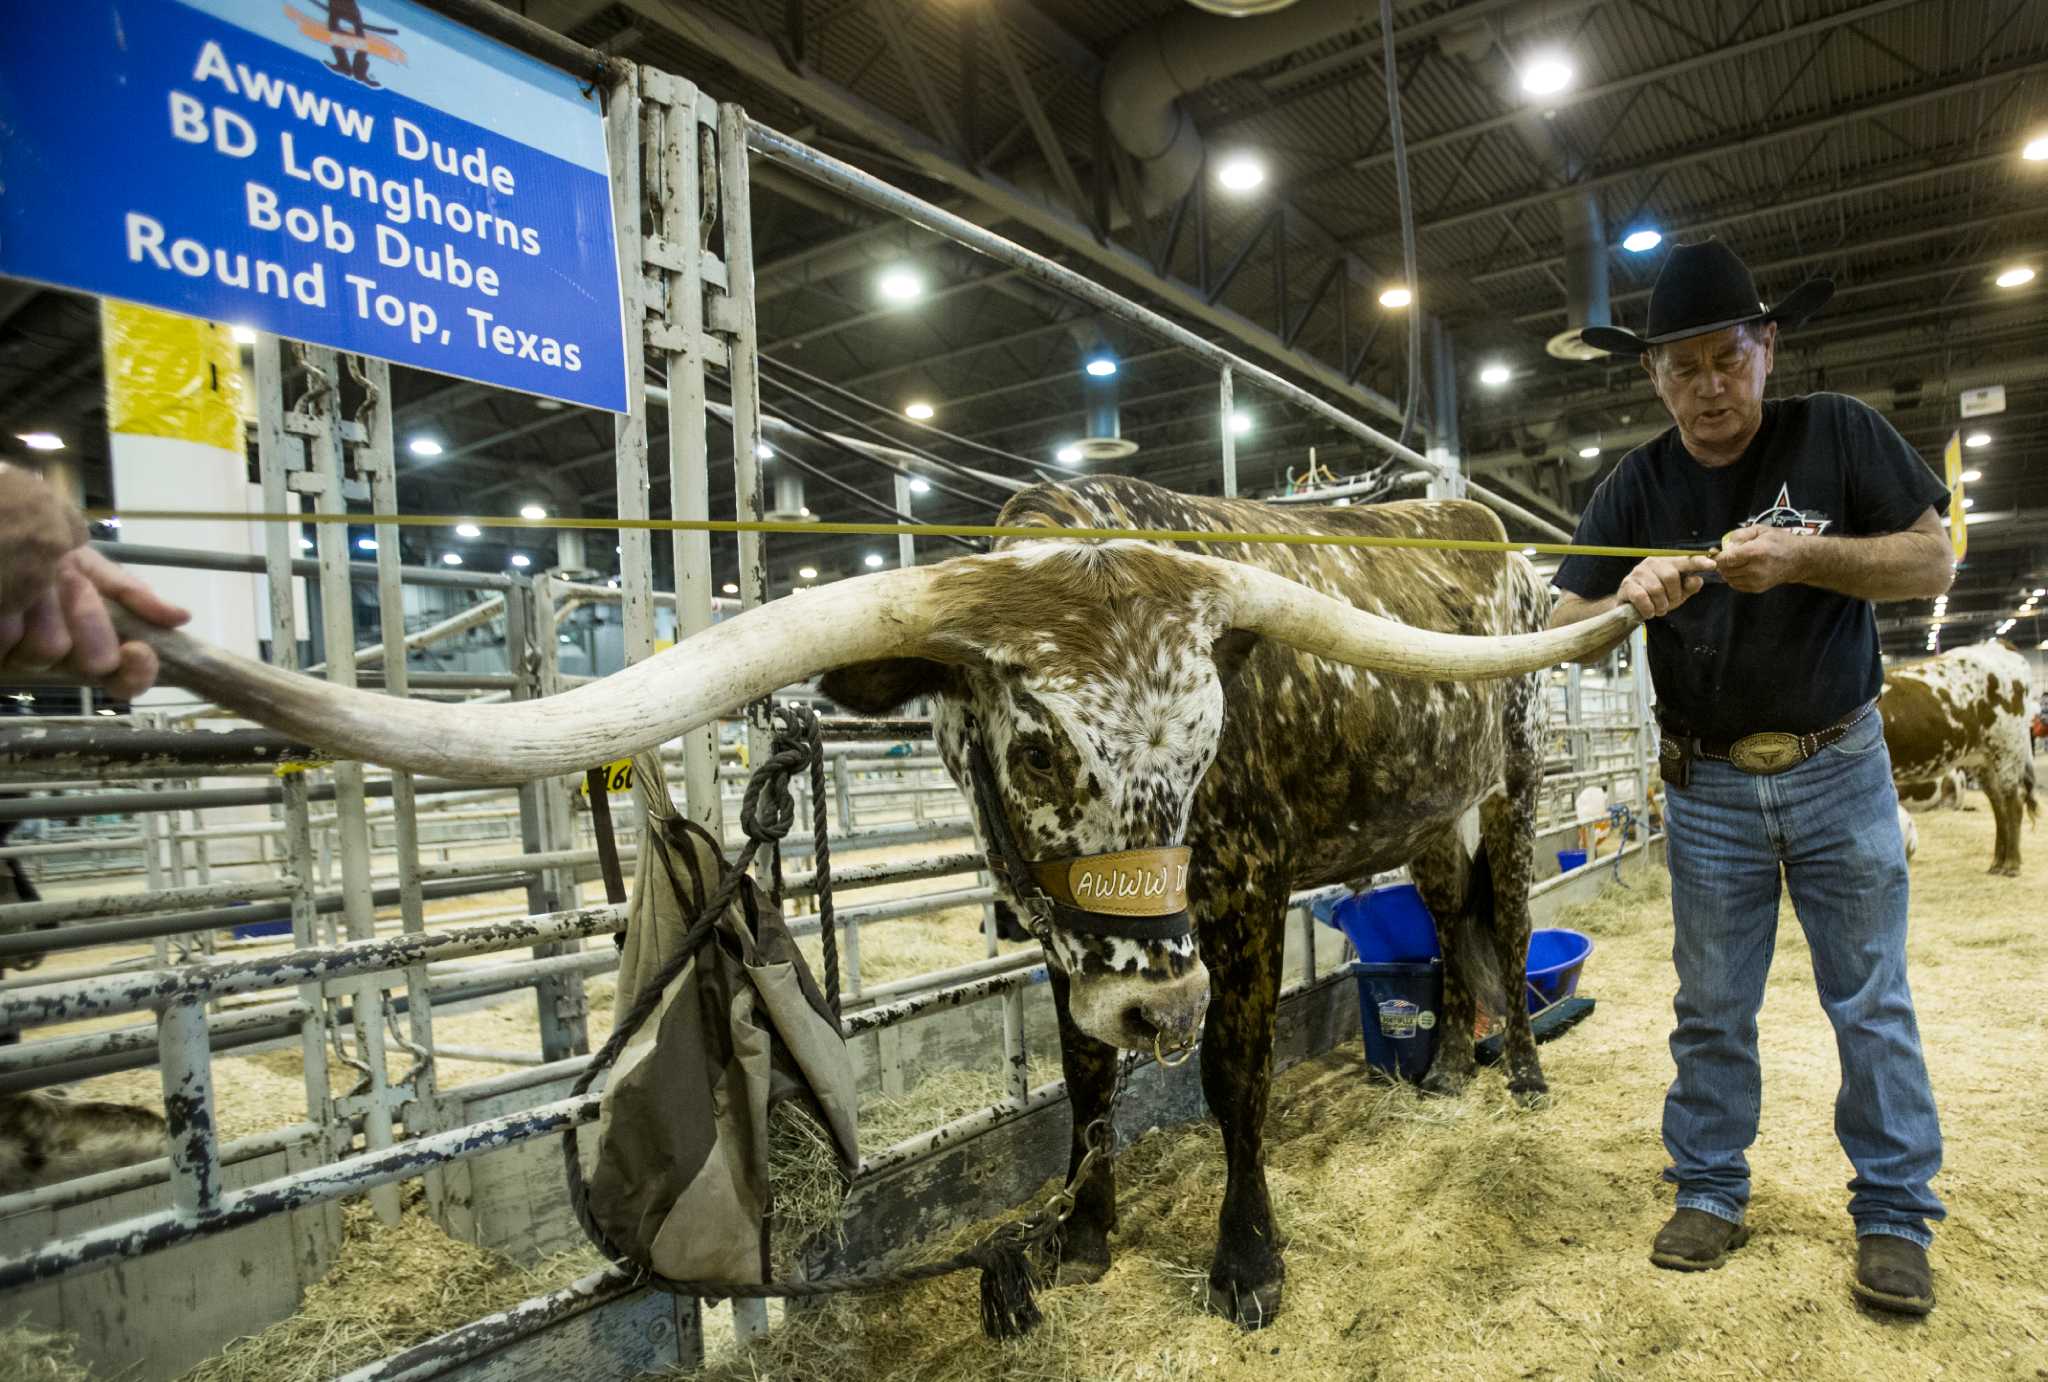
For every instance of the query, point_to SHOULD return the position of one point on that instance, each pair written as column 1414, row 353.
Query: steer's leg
column 1507, row 825
column 1241, row 945
column 2005, row 813
column 1442, row 873
column 1090, row 1069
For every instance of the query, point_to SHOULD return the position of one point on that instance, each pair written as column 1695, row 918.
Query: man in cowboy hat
column 1763, row 651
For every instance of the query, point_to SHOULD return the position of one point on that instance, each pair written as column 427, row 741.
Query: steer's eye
column 1037, row 759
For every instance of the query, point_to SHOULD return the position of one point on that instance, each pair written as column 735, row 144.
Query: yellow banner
column 1958, row 519
column 171, row 376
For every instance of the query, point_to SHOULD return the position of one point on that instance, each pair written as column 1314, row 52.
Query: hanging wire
column 813, row 381
column 1393, row 77
column 826, row 439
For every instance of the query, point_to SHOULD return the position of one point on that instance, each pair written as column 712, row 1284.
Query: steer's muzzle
column 1141, row 1012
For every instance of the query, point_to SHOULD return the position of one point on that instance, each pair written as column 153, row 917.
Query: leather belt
column 1771, row 751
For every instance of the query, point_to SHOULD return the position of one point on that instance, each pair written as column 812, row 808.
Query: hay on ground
column 1470, row 1239
column 28, row 1354
column 390, row 1287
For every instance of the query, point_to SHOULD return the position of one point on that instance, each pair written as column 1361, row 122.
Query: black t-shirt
column 1796, row 658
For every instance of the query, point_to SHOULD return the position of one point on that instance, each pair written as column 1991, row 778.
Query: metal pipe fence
column 369, row 996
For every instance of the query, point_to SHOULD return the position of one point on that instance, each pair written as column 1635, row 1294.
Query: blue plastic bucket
column 1556, row 956
column 1389, row 925
column 1399, row 1006
column 1569, row 859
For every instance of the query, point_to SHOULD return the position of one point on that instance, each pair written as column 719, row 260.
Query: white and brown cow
column 47, row 1136
column 1293, row 715
column 1965, row 709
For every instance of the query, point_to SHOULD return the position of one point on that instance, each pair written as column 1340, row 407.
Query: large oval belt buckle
column 1766, row 753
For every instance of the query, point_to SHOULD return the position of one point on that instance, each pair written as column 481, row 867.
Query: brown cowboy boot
column 1892, row 1274
column 1696, row 1241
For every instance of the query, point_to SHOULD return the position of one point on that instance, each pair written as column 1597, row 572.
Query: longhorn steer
column 1119, row 711
column 1295, row 715
column 1965, row 709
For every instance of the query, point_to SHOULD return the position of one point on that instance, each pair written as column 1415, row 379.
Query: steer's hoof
column 1082, row 1256
column 1447, row 1080
column 1251, row 1307
column 1080, row 1271
column 1531, row 1093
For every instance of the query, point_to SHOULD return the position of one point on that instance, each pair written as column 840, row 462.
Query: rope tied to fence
column 1010, row 1258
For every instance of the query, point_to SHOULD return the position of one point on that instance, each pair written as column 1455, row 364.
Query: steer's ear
column 877, row 688
column 1230, row 653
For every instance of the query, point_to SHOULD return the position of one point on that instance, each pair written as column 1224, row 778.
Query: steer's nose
column 1172, row 1012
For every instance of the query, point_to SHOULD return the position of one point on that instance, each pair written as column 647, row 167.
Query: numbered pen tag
column 618, row 777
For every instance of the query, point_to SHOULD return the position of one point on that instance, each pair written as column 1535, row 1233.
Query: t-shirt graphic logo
column 1782, row 514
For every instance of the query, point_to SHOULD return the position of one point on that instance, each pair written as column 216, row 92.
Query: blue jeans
column 1829, row 827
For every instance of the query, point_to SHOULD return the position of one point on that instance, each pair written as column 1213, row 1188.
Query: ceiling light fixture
column 1100, row 367
column 920, row 486
column 730, row 588
column 520, row 559
column 1068, row 455
column 1977, row 439
column 1546, row 74
column 1971, row 477
column 1240, row 423
column 1495, row 375
column 764, row 452
column 423, row 446
column 243, row 335
column 1240, row 172
column 40, row 441
column 1396, row 297
column 366, row 544
column 468, row 530
column 2036, row 150
column 808, row 573
column 1642, row 241
column 873, row 561
column 900, row 284
column 532, row 513
column 451, row 559
column 919, row 411
column 1587, row 453
column 2017, row 276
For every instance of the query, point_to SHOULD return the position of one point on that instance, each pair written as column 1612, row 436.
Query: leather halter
column 1117, row 895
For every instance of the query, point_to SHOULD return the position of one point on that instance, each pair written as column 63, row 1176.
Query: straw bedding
column 1466, row 1239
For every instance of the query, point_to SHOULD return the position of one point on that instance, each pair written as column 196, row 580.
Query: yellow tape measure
column 974, row 530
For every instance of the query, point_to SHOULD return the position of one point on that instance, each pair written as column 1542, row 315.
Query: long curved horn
column 707, row 675
column 1272, row 605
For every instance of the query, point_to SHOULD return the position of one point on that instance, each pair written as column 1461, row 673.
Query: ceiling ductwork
column 1154, row 67
column 1240, row 9
column 1102, row 397
column 1585, row 277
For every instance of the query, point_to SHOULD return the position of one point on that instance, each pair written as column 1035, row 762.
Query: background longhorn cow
column 1967, row 709
column 1295, row 715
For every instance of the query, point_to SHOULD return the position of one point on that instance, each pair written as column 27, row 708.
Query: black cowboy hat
column 1702, row 288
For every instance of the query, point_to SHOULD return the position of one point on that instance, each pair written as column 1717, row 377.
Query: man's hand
column 53, row 594
column 1659, row 585
column 1754, row 560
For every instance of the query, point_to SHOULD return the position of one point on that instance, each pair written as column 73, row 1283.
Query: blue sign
column 372, row 177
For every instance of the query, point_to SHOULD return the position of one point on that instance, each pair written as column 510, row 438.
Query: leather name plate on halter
column 1133, row 883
